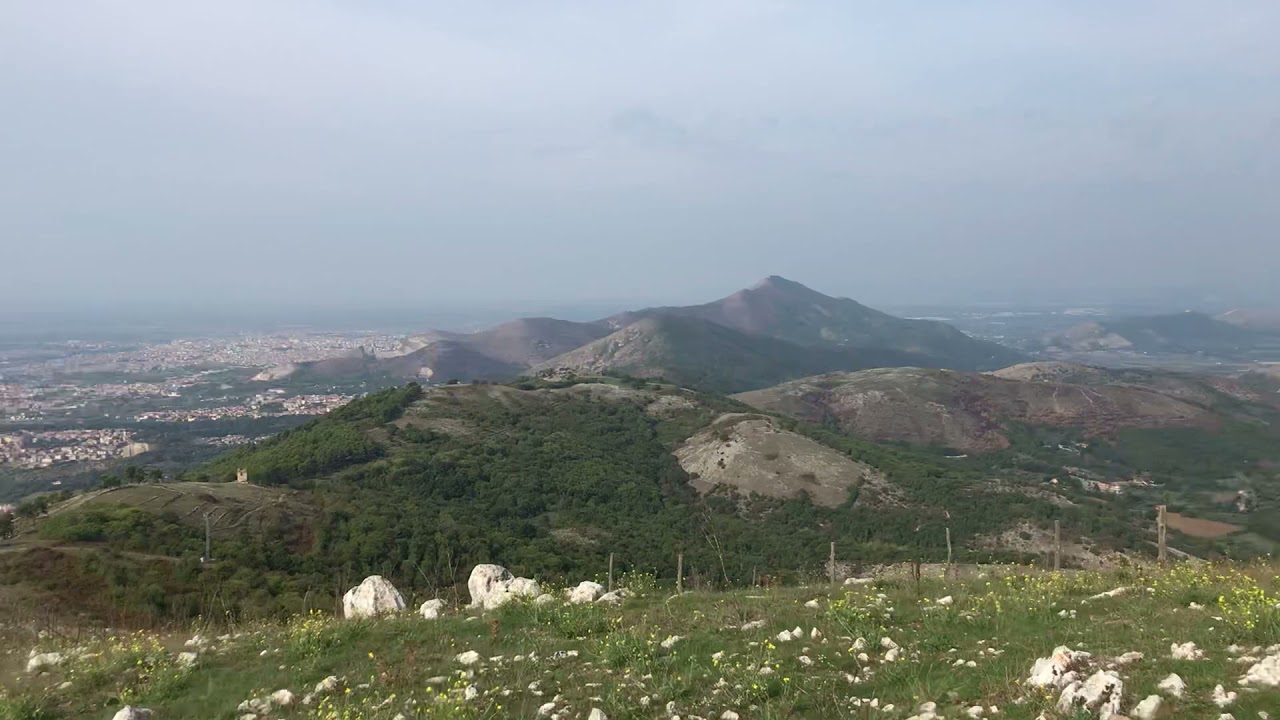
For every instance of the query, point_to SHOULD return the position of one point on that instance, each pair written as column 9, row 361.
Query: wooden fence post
column 948, row 571
column 831, row 564
column 1161, row 531
column 610, row 572
column 1057, row 545
column 679, row 573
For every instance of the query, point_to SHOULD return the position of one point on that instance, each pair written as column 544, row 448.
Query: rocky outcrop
column 375, row 596
column 492, row 586
column 129, row 712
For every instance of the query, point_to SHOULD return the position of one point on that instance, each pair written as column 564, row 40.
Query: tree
column 6, row 526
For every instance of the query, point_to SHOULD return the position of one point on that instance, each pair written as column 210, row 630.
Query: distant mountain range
column 774, row 331
column 1186, row 332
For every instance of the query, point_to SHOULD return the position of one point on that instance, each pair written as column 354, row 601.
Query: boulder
column 375, row 596
column 493, row 586
column 129, row 712
column 431, row 609
column 611, row 598
column 524, row 588
column 586, row 592
column 187, row 659
column 282, row 698
column 487, row 580
column 43, row 661
column 544, row 599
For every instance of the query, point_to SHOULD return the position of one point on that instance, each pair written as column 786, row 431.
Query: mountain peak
column 778, row 282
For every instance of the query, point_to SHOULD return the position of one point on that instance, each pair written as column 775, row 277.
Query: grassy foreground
column 657, row 656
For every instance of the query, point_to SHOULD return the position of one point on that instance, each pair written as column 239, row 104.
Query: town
column 55, row 447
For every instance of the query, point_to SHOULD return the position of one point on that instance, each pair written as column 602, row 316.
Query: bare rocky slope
column 971, row 412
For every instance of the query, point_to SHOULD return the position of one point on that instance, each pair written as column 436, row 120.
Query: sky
column 397, row 154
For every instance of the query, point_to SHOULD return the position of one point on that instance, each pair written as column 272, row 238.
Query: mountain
column 976, row 413
column 1187, row 332
column 525, row 342
column 786, row 310
column 699, row 353
column 440, row 361
column 1265, row 321
column 768, row 333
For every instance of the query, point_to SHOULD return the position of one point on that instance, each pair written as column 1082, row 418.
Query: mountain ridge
column 775, row 321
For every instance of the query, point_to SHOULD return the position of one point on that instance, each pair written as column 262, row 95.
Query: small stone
column 1173, row 685
column 1149, row 709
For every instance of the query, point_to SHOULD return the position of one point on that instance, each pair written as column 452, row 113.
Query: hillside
column 975, row 412
column 549, row 478
column 440, row 361
column 1207, row 446
column 702, row 354
column 786, row 310
column 525, row 342
column 996, row 644
column 1187, row 332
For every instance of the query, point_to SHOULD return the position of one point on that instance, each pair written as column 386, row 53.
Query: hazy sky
column 405, row 153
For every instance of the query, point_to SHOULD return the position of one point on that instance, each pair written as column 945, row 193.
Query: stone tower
column 242, row 476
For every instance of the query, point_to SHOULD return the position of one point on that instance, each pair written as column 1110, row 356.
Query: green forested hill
column 547, row 479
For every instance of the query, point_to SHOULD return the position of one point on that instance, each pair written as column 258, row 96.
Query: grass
column 689, row 653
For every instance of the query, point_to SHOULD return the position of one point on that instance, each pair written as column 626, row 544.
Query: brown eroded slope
column 969, row 411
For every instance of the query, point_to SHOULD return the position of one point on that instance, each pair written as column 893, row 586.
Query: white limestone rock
column 1148, row 709
column 40, row 662
column 129, row 712
column 487, row 580
column 1173, row 685
column 1101, row 693
column 431, row 609
column 1185, row 651
column 371, row 598
column 1265, row 673
column 1053, row 670
column 586, row 592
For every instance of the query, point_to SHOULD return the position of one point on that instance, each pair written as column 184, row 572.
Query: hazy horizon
column 249, row 157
